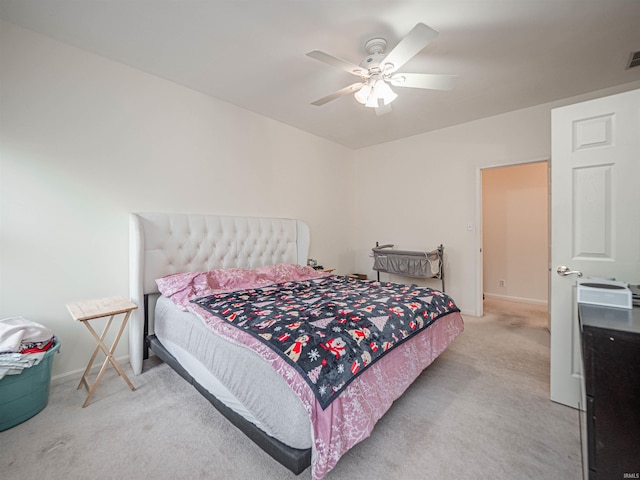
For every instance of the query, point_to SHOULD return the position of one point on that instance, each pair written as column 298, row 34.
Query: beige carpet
column 481, row 411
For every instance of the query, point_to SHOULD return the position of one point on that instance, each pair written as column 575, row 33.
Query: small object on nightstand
column 100, row 308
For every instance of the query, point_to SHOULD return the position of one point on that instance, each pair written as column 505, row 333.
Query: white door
column 595, row 217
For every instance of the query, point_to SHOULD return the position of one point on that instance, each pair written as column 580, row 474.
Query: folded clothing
column 14, row 363
column 18, row 334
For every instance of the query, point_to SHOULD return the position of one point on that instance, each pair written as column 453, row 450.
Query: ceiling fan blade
column 409, row 46
column 424, row 80
column 345, row 91
column 382, row 109
column 338, row 62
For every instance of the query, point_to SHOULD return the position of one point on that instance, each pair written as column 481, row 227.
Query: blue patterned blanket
column 331, row 329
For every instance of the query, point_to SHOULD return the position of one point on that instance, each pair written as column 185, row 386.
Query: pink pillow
column 181, row 288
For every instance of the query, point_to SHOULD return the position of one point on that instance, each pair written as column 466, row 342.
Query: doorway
column 515, row 236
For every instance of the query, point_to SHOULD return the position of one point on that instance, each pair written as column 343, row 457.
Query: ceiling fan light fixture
column 383, row 91
column 372, row 101
column 373, row 91
column 363, row 94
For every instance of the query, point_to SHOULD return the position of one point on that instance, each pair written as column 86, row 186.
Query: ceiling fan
column 379, row 70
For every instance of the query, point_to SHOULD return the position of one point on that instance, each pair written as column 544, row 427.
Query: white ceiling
column 508, row 54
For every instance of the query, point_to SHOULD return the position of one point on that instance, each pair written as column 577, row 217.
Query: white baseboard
column 507, row 298
column 76, row 375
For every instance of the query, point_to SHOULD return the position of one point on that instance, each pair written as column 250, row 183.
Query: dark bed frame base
column 294, row 459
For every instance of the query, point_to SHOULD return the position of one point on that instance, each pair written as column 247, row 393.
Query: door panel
column 592, row 212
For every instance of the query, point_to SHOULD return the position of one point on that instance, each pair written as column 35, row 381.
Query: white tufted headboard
column 164, row 243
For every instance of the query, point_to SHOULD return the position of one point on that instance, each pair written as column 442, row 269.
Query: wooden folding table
column 99, row 308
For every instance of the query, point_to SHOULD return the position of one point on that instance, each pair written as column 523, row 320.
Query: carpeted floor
column 481, row 411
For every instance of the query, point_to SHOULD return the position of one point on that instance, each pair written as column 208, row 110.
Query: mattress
column 237, row 376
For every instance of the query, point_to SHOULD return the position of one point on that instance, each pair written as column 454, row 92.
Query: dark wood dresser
column 611, row 359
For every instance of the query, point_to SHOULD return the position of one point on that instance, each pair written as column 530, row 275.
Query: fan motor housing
column 372, row 61
column 375, row 48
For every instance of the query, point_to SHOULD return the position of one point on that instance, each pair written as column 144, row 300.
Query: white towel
column 15, row 330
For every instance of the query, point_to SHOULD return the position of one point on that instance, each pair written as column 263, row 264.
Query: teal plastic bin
column 24, row 395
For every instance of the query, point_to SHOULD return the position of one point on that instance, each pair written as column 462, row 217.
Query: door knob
column 563, row 271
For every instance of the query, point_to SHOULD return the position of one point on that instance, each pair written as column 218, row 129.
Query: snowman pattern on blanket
column 332, row 328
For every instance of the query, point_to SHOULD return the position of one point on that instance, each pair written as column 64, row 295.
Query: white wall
column 85, row 140
column 515, row 232
column 421, row 191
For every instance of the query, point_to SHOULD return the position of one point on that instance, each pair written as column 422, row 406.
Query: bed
column 279, row 399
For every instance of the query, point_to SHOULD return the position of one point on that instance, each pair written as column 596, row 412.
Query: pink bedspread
column 350, row 418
